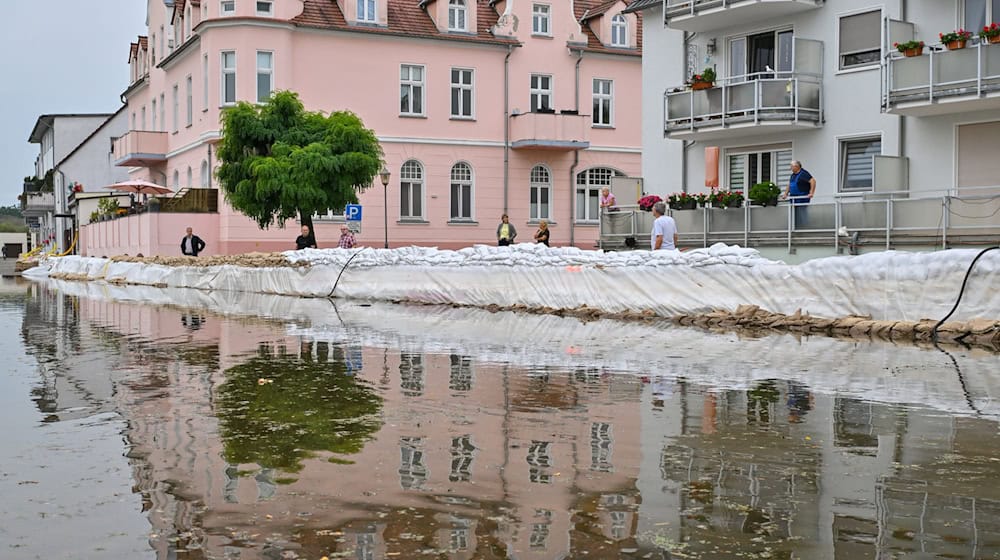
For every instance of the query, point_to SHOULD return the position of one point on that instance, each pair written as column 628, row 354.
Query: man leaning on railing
column 800, row 190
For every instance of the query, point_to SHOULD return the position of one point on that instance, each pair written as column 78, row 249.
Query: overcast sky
column 60, row 56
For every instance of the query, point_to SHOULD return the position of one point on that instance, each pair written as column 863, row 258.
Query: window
column 265, row 67
column 411, row 374
column 190, row 177
column 413, row 471
column 366, row 11
column 540, row 19
column 152, row 47
column 228, row 77
column 411, row 89
column 600, row 447
column 154, row 117
column 588, row 192
column 177, row 180
column 541, row 92
column 460, row 379
column 462, row 454
column 204, row 82
column 144, row 117
column 761, row 55
column 177, row 107
column 747, row 168
column 619, row 31
column 539, row 461
column 163, row 112
column 162, row 38
column 456, row 15
column 187, row 21
column 461, row 93
column 188, row 101
column 603, row 102
column 227, row 7
column 205, row 178
column 461, row 192
column 860, row 39
column 411, row 191
column 857, row 163
column 264, row 8
column 541, row 194
column 977, row 14
column 133, row 121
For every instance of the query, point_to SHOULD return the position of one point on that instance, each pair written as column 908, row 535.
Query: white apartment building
column 820, row 82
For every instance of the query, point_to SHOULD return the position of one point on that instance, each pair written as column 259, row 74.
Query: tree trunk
column 306, row 219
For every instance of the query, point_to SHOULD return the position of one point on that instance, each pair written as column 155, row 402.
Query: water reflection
column 285, row 438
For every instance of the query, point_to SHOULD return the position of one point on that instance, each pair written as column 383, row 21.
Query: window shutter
column 859, row 163
column 737, row 172
column 861, row 32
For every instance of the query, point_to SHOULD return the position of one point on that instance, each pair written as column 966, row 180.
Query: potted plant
column 704, row 80
column 646, row 203
column 726, row 199
column 956, row 39
column 94, row 216
column 765, row 194
column 701, row 199
column 682, row 201
column 910, row 48
column 991, row 33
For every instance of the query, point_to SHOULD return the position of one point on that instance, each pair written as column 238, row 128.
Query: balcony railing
column 140, row 148
column 942, row 81
column 38, row 203
column 783, row 101
column 550, row 131
column 704, row 15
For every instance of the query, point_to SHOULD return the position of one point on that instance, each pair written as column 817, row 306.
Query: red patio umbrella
column 139, row 187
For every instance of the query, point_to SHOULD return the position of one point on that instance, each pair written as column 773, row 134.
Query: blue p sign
column 352, row 212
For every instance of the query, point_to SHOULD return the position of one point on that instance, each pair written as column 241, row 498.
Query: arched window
column 190, row 178
column 541, row 194
column 619, row 31
column 456, row 16
column 205, row 178
column 461, row 192
column 588, row 191
column 411, row 191
column 177, row 180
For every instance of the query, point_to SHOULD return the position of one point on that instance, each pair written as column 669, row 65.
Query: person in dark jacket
column 505, row 232
column 191, row 244
column 305, row 241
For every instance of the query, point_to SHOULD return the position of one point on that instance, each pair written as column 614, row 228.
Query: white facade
column 942, row 144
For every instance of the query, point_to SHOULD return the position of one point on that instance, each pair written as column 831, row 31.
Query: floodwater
column 154, row 423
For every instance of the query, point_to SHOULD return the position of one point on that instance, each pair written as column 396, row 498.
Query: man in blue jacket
column 800, row 190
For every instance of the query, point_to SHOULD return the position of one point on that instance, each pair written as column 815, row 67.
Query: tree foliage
column 279, row 161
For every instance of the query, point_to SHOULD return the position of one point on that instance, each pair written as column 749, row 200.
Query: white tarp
column 891, row 285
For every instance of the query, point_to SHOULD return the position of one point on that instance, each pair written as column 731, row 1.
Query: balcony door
column 745, row 167
column 762, row 55
column 980, row 13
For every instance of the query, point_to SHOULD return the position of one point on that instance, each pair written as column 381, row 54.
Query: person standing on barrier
column 801, row 188
column 664, row 235
column 505, row 232
column 191, row 244
column 305, row 241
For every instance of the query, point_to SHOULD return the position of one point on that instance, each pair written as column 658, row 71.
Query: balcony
column 705, row 15
column 942, row 82
column 140, row 148
column 563, row 131
column 38, row 204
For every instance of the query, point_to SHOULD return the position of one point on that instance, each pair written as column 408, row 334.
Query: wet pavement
column 160, row 424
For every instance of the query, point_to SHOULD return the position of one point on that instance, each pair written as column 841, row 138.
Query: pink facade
column 449, row 89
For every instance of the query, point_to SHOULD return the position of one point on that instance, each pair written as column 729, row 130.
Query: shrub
column 765, row 193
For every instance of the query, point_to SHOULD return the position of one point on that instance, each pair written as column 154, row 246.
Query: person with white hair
column 800, row 190
column 664, row 235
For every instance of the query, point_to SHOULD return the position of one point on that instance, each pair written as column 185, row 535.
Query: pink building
column 482, row 107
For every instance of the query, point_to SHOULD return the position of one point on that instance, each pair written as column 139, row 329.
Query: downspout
column 506, row 126
column 902, row 118
column 687, row 143
column 576, row 157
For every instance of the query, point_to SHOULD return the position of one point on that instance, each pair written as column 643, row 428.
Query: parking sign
column 352, row 212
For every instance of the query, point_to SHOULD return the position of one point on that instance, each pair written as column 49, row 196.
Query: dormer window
column 619, row 31
column 227, row 7
column 187, row 22
column 265, row 8
column 366, row 11
column 456, row 16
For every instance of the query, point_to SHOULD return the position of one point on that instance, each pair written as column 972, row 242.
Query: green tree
column 279, row 161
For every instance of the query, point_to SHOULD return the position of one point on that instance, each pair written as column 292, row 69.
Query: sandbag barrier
column 982, row 333
column 249, row 260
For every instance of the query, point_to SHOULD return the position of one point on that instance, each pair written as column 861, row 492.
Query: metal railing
column 750, row 99
column 677, row 8
column 884, row 219
column 973, row 71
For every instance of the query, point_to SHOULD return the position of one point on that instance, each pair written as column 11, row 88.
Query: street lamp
column 384, row 175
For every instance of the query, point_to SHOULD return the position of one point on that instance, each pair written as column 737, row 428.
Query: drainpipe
column 506, row 125
column 902, row 118
column 576, row 158
column 687, row 143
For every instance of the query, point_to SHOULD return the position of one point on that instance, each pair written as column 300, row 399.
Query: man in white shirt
column 664, row 235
